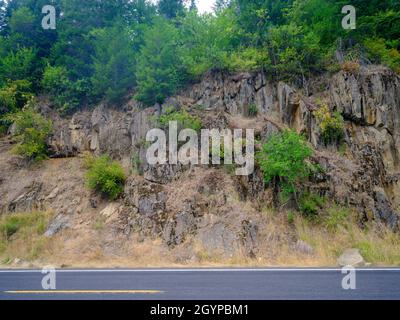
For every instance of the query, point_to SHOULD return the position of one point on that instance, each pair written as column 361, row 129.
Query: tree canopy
column 116, row 49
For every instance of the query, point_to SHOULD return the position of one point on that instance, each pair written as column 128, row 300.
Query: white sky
column 205, row 5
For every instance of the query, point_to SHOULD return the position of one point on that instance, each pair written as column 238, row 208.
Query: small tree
column 331, row 125
column 184, row 119
column 157, row 67
column 31, row 131
column 283, row 161
column 114, row 63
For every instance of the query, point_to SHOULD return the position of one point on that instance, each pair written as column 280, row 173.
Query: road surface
column 201, row 284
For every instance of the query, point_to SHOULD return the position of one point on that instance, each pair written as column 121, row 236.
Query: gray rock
column 303, row 247
column 351, row 257
column 28, row 200
column 59, row 223
column 384, row 211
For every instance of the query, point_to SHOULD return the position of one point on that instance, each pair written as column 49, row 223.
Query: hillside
column 206, row 215
column 148, row 133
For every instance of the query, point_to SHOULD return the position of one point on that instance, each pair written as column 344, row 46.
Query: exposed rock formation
column 182, row 205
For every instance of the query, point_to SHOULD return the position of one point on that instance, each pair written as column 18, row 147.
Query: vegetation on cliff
column 104, row 49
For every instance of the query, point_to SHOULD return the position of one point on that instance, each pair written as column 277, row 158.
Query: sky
column 205, row 5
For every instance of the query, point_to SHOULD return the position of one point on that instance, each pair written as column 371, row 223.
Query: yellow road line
column 85, row 292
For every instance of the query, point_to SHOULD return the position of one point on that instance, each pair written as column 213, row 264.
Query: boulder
column 303, row 248
column 61, row 222
column 351, row 257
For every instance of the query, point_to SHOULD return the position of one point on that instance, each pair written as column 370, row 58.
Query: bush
column 105, row 176
column 252, row 111
column 184, row 119
column 157, row 65
column 351, row 66
column 337, row 216
column 331, row 125
column 249, row 59
column 310, row 204
column 284, row 157
column 14, row 95
column 18, row 65
column 31, row 132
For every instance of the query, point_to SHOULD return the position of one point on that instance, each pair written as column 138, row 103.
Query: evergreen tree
column 170, row 9
column 156, row 74
column 113, row 63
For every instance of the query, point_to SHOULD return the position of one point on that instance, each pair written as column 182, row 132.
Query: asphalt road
column 202, row 284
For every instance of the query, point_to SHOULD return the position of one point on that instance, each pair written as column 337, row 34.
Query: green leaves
column 17, row 65
column 157, row 67
column 106, row 176
column 31, row 132
column 114, row 64
column 284, row 156
column 183, row 118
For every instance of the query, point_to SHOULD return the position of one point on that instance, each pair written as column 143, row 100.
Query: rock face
column 197, row 205
column 116, row 132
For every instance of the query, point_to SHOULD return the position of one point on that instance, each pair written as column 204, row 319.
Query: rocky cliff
column 205, row 206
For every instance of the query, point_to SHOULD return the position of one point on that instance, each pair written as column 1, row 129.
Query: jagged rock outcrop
column 368, row 100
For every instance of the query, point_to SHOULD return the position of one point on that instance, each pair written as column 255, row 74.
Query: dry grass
column 21, row 236
column 377, row 244
column 351, row 66
column 87, row 247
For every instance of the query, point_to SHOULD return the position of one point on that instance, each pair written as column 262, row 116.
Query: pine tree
column 156, row 73
column 113, row 64
column 170, row 9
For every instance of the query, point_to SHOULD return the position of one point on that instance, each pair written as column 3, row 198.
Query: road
column 198, row 284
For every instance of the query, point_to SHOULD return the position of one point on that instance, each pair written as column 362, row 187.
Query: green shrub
column 18, row 65
column 290, row 217
column 249, row 59
column 253, row 110
column 285, row 156
column 310, row 204
column 331, row 125
column 14, row 95
column 184, row 119
column 378, row 51
column 64, row 93
column 337, row 216
column 31, row 132
column 11, row 224
column 105, row 176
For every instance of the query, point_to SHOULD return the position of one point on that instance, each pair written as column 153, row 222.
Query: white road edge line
column 192, row 270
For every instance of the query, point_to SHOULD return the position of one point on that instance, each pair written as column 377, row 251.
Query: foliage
column 185, row 119
column 103, row 49
column 14, row 95
column 331, row 125
column 285, row 156
column 379, row 51
column 156, row 73
column 66, row 94
column 171, row 8
column 253, row 110
column 31, row 132
column 310, row 204
column 18, row 65
column 336, row 217
column 105, row 176
column 113, row 63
